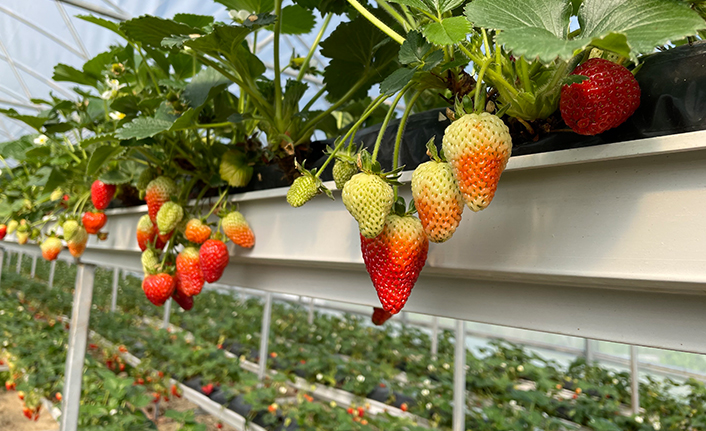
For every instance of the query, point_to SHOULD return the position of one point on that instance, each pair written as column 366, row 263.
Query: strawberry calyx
column 320, row 187
column 400, row 208
column 366, row 164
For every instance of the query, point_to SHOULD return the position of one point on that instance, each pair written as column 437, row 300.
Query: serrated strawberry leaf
column 297, row 20
column 100, row 157
column 573, row 79
column 142, row 127
column 115, row 176
column 255, row 6
column 396, row 81
column 435, row 7
column 151, row 30
column 447, row 32
column 538, row 28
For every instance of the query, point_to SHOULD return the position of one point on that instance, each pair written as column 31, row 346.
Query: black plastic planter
column 381, row 393
column 194, row 383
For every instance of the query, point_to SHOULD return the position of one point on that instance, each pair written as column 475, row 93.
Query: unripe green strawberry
column 51, row 247
column 168, row 217
column 56, row 194
column 302, row 190
column 369, row 199
column 144, row 179
column 395, row 258
column 238, row 230
column 70, row 227
column 22, row 237
column 189, row 271
column 478, row 147
column 342, row 172
column 150, row 261
column 11, row 226
column 437, row 199
column 158, row 192
column 235, row 169
column 77, row 244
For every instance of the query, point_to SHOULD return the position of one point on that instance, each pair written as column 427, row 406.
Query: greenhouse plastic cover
column 35, row 35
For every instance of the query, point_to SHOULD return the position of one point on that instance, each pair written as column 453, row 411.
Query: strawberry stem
column 390, row 111
column 314, row 45
column 376, row 22
column 400, row 131
column 213, row 208
column 480, row 86
column 371, row 108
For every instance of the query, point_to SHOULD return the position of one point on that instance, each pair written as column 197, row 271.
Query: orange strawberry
column 77, row 243
column 478, row 147
column 189, row 271
column 94, row 221
column 395, row 258
column 238, row 230
column 146, row 234
column 213, row 256
column 158, row 287
column 437, row 197
column 51, row 247
column 197, row 231
column 157, row 193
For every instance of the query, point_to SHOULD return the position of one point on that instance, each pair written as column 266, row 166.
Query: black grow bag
column 673, row 100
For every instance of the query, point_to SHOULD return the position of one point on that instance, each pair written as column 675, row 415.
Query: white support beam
column 52, row 271
column 167, row 313
column 265, row 336
column 28, row 70
column 13, row 66
column 634, row 381
column 33, row 269
column 89, row 7
column 114, row 296
column 72, row 29
column 459, row 407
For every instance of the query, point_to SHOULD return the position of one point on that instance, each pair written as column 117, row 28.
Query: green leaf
column 100, row 157
column 56, row 178
column 97, row 138
column 424, row 5
column 197, row 21
column 220, row 41
column 254, row 6
column 357, row 50
column 126, row 104
column 198, row 91
column 142, row 127
column 63, row 72
column 447, row 32
column 150, row 30
column 297, row 20
column 32, row 121
column 414, row 48
column 396, row 81
column 110, row 25
column 293, row 92
column 246, row 63
column 185, row 120
column 115, row 176
column 538, row 28
column 95, row 66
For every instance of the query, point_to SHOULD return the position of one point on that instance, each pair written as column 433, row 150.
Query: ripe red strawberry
column 146, row 233
column 478, row 148
column 185, row 302
column 3, row 231
column 380, row 316
column 395, row 258
column 196, row 231
column 214, row 258
column 207, row 389
column 189, row 271
column 238, row 230
column 101, row 194
column 77, row 243
column 605, row 100
column 158, row 288
column 51, row 247
column 437, row 197
column 94, row 221
column 175, row 391
column 157, row 193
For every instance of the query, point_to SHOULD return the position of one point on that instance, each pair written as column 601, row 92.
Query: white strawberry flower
column 41, row 140
column 425, row 392
column 319, row 376
column 113, row 87
column 639, row 419
column 116, row 115
column 239, row 15
column 282, row 390
column 360, row 378
column 520, row 368
column 428, row 406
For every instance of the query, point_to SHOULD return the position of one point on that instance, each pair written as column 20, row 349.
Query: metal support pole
column 634, row 381
column 124, row 275
column 9, row 258
column 76, row 353
column 310, row 318
column 588, row 350
column 265, row 336
column 434, row 336
column 19, row 262
column 167, row 313
column 459, row 413
column 34, row 266
column 114, row 297
column 52, row 269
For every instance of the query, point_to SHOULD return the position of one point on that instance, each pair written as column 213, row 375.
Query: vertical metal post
column 310, row 318
column 265, row 335
column 9, row 258
column 114, row 297
column 434, row 336
column 167, row 313
column 459, row 412
column 19, row 262
column 634, row 381
column 588, row 350
column 34, row 266
column 52, row 269
column 403, row 317
column 124, row 275
column 76, row 352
